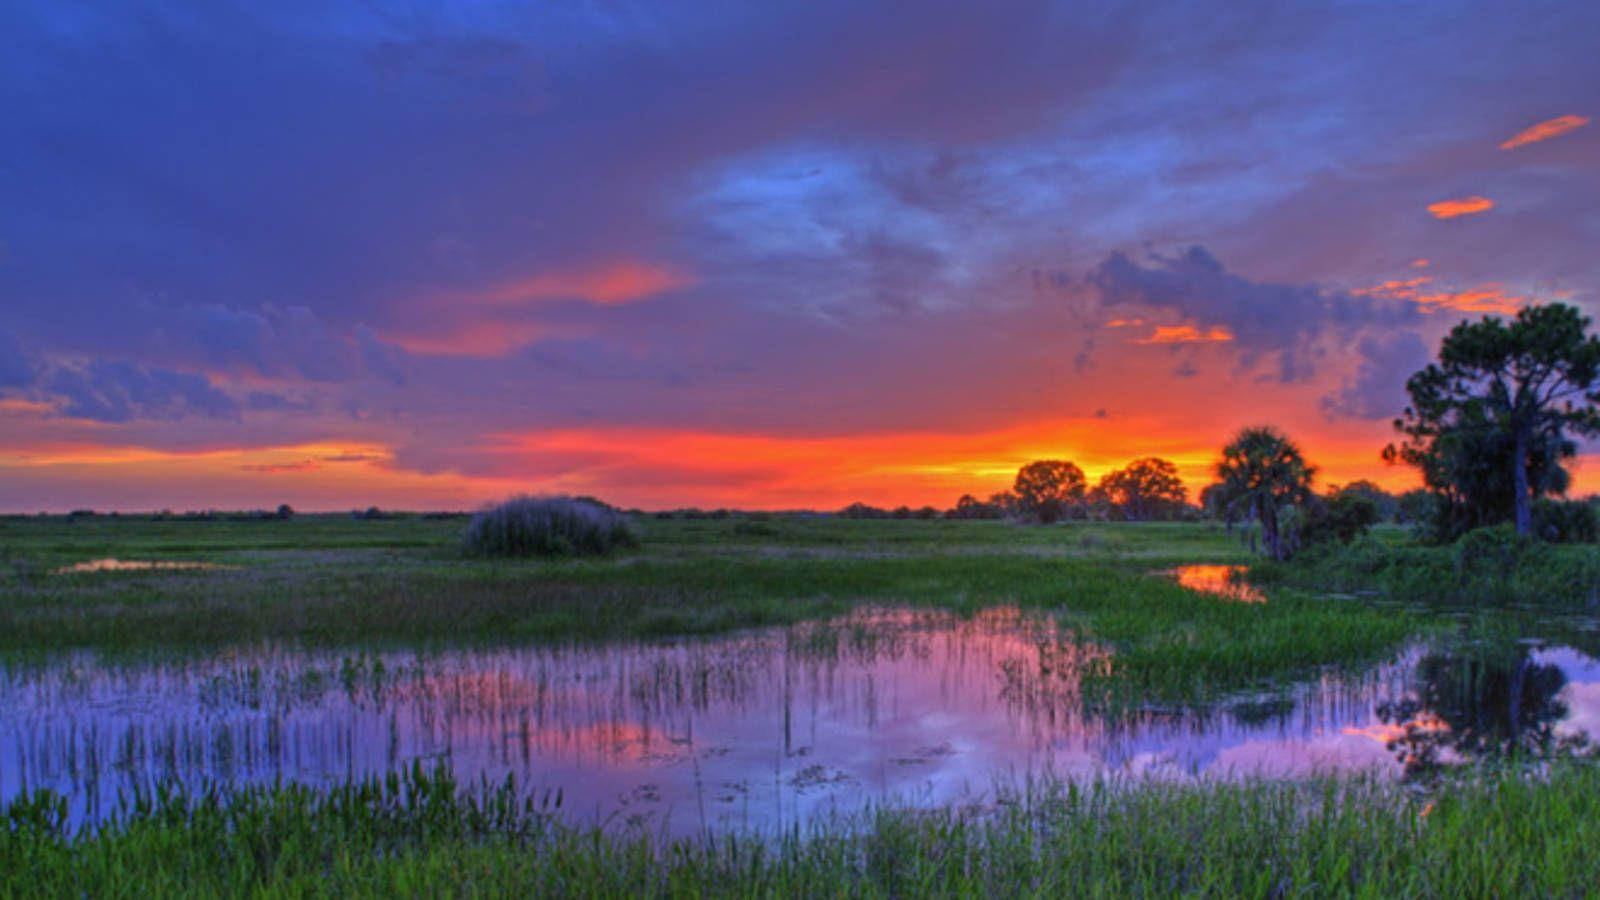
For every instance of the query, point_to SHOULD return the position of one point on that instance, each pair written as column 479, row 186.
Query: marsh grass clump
column 548, row 526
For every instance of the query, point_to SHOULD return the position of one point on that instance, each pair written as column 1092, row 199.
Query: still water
column 752, row 730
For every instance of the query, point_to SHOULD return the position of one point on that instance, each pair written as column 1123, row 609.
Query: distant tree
column 1387, row 504
column 1492, row 416
column 285, row 511
column 1261, row 471
column 1047, row 489
column 1214, row 503
column 1004, row 501
column 970, row 507
column 1340, row 515
column 1146, row 488
column 1415, row 507
column 863, row 511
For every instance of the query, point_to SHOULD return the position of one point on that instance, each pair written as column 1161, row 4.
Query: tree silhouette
column 1046, row 489
column 1492, row 415
column 1261, row 470
column 1146, row 488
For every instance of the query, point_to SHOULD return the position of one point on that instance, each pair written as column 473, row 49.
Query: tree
column 1387, row 504
column 1342, row 515
column 1503, row 396
column 1147, row 488
column 1261, row 470
column 1047, row 488
column 970, row 507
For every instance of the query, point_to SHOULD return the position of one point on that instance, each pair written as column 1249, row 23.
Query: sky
column 765, row 255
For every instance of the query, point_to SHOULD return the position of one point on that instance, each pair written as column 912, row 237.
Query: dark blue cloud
column 1282, row 322
column 121, row 392
column 1377, row 390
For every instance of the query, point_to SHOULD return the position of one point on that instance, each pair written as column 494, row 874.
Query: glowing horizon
column 790, row 258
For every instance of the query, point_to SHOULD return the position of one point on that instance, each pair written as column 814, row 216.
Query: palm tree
column 1260, row 471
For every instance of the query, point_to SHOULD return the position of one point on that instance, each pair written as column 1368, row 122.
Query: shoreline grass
column 1484, row 834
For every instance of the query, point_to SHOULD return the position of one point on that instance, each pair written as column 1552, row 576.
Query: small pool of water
column 1223, row 581
column 110, row 564
column 751, row 730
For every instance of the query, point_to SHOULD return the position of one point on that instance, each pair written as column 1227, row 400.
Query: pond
column 751, row 730
column 1221, row 580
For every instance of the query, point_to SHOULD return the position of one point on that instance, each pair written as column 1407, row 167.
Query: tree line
column 1491, row 425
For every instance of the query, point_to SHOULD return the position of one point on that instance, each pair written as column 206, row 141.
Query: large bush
column 548, row 526
column 1566, row 521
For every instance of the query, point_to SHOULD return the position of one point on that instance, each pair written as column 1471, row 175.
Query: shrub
column 1342, row 517
column 1566, row 521
column 547, row 526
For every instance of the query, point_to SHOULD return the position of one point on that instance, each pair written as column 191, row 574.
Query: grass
column 1490, row 568
column 338, row 581
column 334, row 580
column 422, row 835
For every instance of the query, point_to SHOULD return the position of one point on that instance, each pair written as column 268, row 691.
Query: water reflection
column 1486, row 703
column 1223, row 581
column 750, row 730
column 110, row 564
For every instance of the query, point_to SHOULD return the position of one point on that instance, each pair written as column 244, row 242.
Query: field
column 353, row 586
column 336, row 580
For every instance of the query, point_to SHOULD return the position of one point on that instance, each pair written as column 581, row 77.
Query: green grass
column 334, row 580
column 1488, row 568
column 420, row 835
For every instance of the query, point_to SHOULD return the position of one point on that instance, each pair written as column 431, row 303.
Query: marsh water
column 751, row 730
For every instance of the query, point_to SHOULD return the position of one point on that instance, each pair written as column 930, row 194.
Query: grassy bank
column 334, row 580
column 1495, row 835
column 1484, row 568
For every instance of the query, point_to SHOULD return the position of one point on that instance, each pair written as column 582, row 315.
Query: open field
column 290, row 620
column 333, row 580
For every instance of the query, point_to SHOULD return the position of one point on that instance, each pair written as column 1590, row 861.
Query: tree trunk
column 1269, row 527
column 1519, row 482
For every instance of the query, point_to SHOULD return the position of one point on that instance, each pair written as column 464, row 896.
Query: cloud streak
column 1460, row 206
column 1544, row 131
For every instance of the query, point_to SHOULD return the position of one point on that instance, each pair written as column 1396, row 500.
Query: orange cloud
column 1485, row 298
column 1421, row 263
column 475, row 323
column 1488, row 298
column 1399, row 289
column 1544, row 131
column 304, row 465
column 1463, row 206
column 620, row 282
column 1125, row 323
column 1186, row 334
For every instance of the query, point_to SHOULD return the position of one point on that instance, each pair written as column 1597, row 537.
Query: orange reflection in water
column 111, row 564
column 1390, row 733
column 1223, row 581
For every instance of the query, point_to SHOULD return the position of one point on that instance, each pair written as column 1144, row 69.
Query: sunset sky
column 755, row 254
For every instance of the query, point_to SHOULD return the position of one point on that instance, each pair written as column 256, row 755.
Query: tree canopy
column 1489, row 423
column 1260, row 471
column 1146, row 488
column 1048, row 488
